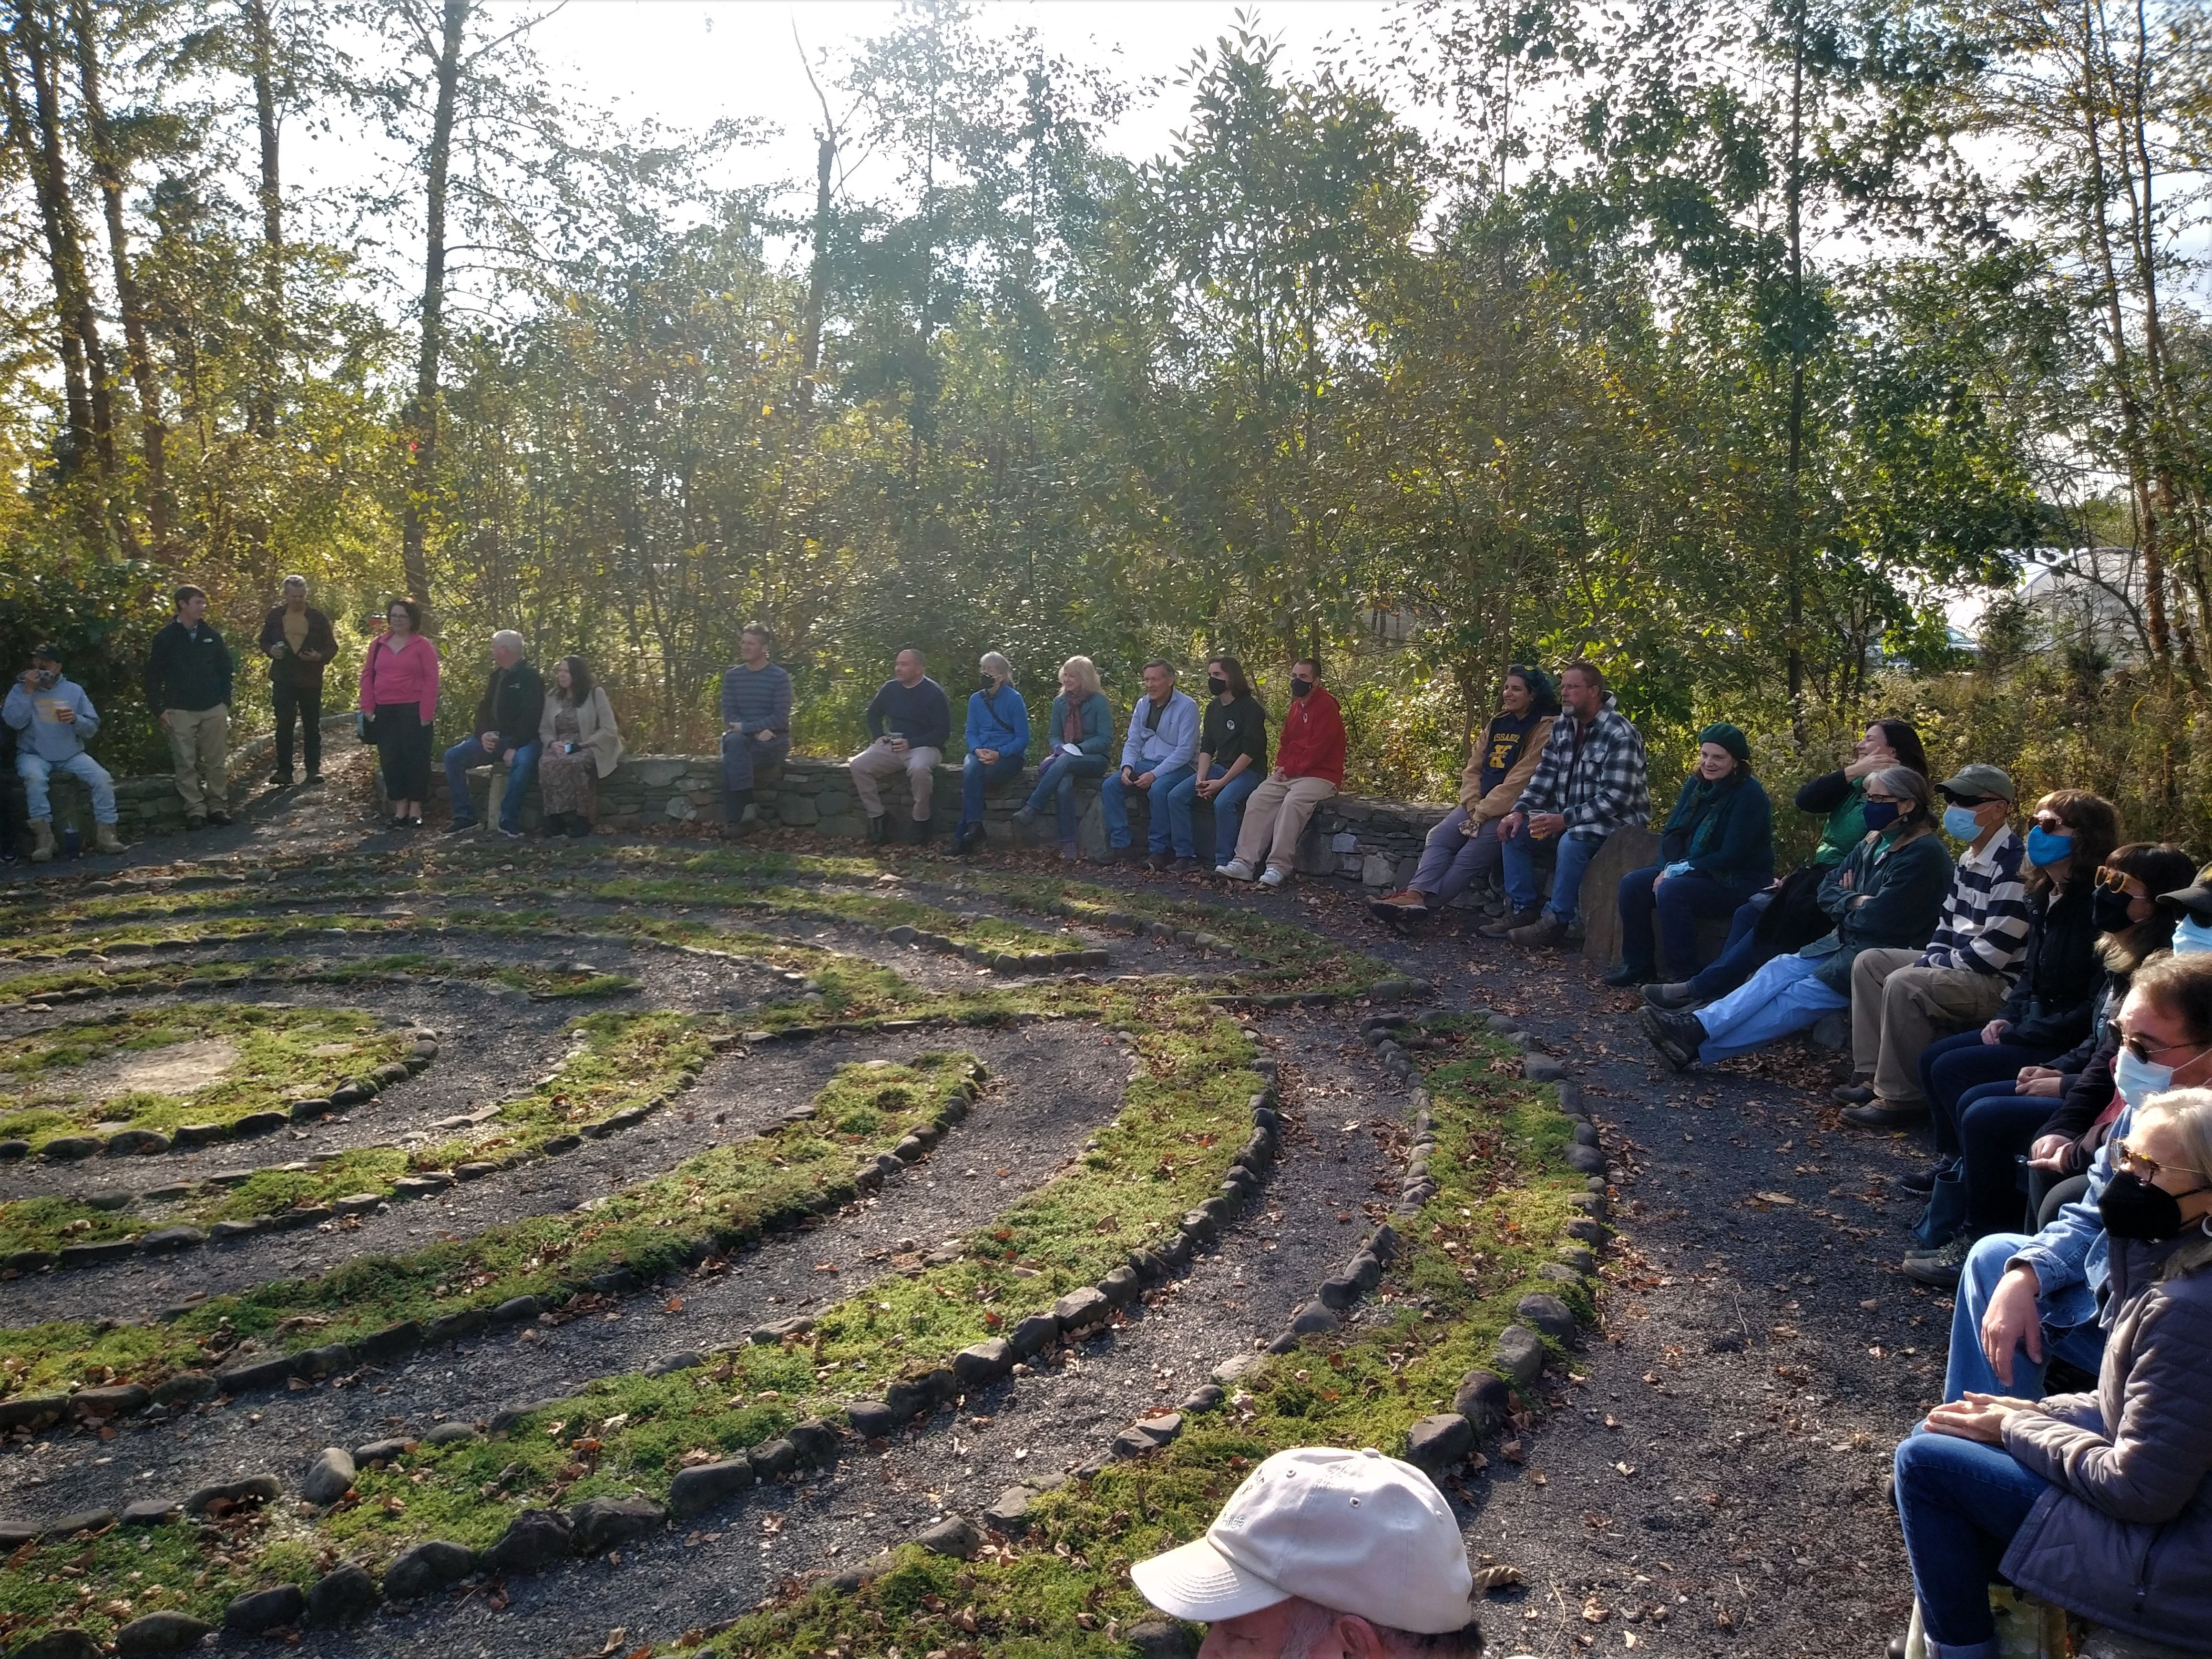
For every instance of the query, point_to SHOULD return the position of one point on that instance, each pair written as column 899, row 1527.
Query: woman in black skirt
column 400, row 694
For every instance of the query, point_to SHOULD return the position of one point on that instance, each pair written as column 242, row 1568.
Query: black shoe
column 1633, row 972
column 1670, row 997
column 1188, row 866
column 312, row 780
column 1921, row 1180
column 879, row 831
column 194, row 821
column 919, row 835
column 220, row 820
column 461, row 826
column 1884, row 1115
column 579, row 826
column 280, row 780
column 1676, row 1036
column 1161, row 861
column 1851, row 1094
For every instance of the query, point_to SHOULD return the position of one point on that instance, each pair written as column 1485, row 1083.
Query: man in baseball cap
column 1325, row 1554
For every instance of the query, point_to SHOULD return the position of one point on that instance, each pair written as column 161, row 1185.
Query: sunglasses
column 2144, row 1050
column 1973, row 802
column 2125, row 1156
column 2116, row 881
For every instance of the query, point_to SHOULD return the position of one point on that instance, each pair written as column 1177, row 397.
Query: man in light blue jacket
column 52, row 717
column 1158, row 753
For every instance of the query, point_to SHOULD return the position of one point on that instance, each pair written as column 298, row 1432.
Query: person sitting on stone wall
column 1309, row 770
column 756, row 725
column 581, row 744
column 1082, row 732
column 52, row 717
column 1903, row 1000
column 2099, row 1503
column 1346, row 1554
column 1788, row 915
column 909, row 723
column 1887, row 893
column 1590, row 783
column 506, row 731
column 1232, row 758
column 1158, row 753
column 1464, row 846
column 997, row 740
column 1717, row 850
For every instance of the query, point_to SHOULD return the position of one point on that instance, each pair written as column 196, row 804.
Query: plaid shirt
column 1985, row 918
column 1597, row 785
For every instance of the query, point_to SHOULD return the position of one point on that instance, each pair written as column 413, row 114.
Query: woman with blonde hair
column 581, row 745
column 1081, row 731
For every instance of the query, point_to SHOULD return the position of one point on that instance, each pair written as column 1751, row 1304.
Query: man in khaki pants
column 1903, row 1000
column 1309, row 770
column 188, row 672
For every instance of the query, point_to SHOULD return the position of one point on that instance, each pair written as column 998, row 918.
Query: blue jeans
column 742, row 755
column 1782, row 997
column 1228, row 813
column 1960, row 1503
column 35, row 769
column 1969, row 1370
column 1452, row 859
column 1576, row 849
column 469, row 753
column 1677, row 903
column 1114, row 802
column 1741, row 957
column 1056, row 782
column 976, row 776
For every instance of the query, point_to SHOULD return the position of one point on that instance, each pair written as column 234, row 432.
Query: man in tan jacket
column 1464, row 844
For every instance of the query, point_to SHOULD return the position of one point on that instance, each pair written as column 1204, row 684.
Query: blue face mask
column 2191, row 935
column 2137, row 1081
column 1959, row 823
column 1879, row 814
column 2046, row 848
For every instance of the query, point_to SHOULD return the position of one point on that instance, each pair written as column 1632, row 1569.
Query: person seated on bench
column 53, row 716
column 998, row 741
column 1717, row 850
column 909, row 723
column 1082, row 730
column 2098, row 1502
column 756, row 725
column 1157, row 754
column 1309, row 770
column 507, row 716
column 1887, row 892
column 1232, row 758
column 1464, row 845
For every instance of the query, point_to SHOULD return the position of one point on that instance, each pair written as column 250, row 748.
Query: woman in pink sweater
column 399, row 694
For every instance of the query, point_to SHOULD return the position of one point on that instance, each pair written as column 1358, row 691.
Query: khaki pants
column 1898, row 1010
column 880, row 760
column 199, row 746
column 1275, row 815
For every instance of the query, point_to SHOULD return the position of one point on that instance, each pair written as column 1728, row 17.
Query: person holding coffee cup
column 52, row 717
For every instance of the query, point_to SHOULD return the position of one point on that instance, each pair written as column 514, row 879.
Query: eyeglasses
column 2144, row 1050
column 2125, row 1156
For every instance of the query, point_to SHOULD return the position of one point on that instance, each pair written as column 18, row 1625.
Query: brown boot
column 1546, row 929
column 104, row 839
column 42, row 840
column 1509, row 924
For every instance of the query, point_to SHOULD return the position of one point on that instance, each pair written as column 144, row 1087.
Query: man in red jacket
column 1309, row 770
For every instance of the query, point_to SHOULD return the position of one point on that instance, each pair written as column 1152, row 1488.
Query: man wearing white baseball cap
column 1325, row 1554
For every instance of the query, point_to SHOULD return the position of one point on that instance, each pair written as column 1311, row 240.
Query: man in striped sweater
column 756, row 726
column 1902, row 1001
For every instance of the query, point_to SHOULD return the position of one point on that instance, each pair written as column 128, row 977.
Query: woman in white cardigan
column 580, row 746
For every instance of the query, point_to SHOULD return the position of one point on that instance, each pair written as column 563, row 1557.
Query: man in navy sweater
column 757, row 726
column 909, row 723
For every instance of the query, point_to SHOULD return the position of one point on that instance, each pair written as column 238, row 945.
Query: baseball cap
column 1980, row 780
column 1353, row 1531
column 2196, row 898
column 43, row 651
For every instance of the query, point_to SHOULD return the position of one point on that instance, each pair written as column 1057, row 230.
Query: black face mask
column 2108, row 911
column 2133, row 1208
column 987, row 684
column 1301, row 688
column 1216, row 684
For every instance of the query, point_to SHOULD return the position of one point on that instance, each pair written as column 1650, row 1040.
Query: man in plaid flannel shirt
column 1903, row 1000
column 1590, row 783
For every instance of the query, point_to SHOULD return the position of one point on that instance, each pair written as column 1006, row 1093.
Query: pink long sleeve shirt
column 408, row 675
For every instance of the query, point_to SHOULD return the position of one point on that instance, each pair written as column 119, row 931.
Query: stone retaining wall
column 148, row 805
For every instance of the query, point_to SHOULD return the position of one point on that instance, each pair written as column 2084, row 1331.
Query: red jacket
column 1312, row 744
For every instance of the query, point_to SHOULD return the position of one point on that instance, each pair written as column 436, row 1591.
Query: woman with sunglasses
column 2098, row 1502
column 2048, row 1010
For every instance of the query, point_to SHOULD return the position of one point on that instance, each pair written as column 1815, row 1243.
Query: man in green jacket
column 188, row 687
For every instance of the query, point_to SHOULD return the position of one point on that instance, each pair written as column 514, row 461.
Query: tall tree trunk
column 1797, row 445
column 23, row 134
column 818, row 278
column 421, row 419
column 263, row 419
column 107, row 168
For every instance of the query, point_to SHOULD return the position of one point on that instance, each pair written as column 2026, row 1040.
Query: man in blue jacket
column 1159, row 752
column 52, row 717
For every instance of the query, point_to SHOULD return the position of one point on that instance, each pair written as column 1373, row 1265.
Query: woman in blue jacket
column 1717, row 850
column 998, row 742
column 1082, row 732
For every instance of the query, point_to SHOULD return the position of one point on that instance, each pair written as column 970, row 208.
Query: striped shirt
column 757, row 700
column 1985, row 918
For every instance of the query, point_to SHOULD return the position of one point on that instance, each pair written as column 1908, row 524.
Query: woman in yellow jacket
column 581, row 745
column 1464, row 845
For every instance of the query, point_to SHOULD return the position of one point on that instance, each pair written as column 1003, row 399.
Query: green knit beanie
column 1730, row 738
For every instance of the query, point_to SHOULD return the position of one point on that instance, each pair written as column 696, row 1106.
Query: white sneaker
column 1274, row 878
column 1235, row 870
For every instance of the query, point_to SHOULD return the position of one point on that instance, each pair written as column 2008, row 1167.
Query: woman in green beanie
column 1717, row 850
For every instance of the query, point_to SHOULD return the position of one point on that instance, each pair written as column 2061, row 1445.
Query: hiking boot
column 1189, row 866
column 1676, row 1036
column 1160, row 861
column 1677, row 994
column 105, row 840
column 879, row 830
column 919, row 833
column 1942, row 1269
column 1851, row 1094
column 42, row 840
column 1631, row 972
column 1506, row 925
column 1884, row 1115
column 1921, row 1180
column 1111, row 855
column 1546, row 929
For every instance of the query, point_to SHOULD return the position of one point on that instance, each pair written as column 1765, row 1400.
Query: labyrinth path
column 747, row 1251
